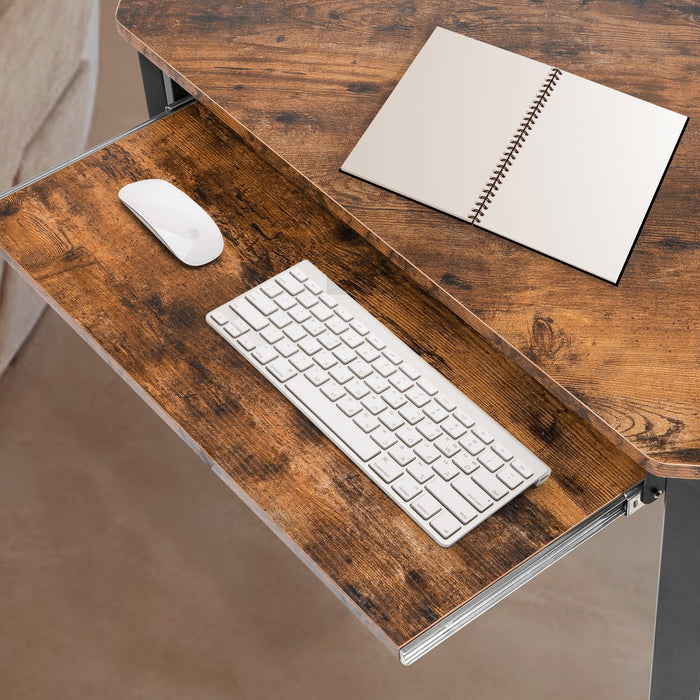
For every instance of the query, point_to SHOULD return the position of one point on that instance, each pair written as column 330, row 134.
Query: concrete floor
column 128, row 570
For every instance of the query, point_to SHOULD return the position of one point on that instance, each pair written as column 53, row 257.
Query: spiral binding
column 514, row 146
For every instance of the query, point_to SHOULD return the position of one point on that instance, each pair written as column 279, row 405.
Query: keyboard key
column 349, row 406
column 427, row 387
column 426, row 452
column 502, row 451
column 281, row 370
column 315, row 375
column 299, row 314
column 294, row 332
column 328, row 300
column 361, row 368
column 236, row 328
column 453, row 428
column 471, row 444
column 341, row 374
column 463, row 418
column 475, row 495
column 219, row 318
column 343, row 313
column 490, row 460
column 280, row 319
column 359, row 327
column 420, row 471
column 446, row 402
column 325, row 360
column 356, row 389
column 286, row 348
column 366, row 421
column 351, row 339
column 407, row 487
column 401, row 382
column 310, row 346
column 466, row 463
column 401, row 454
column 426, row 506
column 333, row 390
column 271, row 288
column 307, row 300
column 391, row 419
column 345, row 355
column 313, row 327
column 392, row 356
column 384, row 368
column 482, row 434
column 412, row 414
column 521, row 468
column 418, row 397
column 290, row 284
column 313, row 287
column 249, row 314
column 383, row 438
column 376, row 383
column 375, row 341
column 409, row 435
column 495, row 488
column 264, row 354
column 298, row 274
column 410, row 371
column 446, row 469
column 321, row 312
column 449, row 498
column 247, row 342
column 435, row 412
column 445, row 525
column 336, row 325
column 367, row 353
column 393, row 398
column 429, row 430
column 448, row 447
column 374, row 405
column 510, row 477
column 339, row 425
column 272, row 334
column 387, row 469
column 285, row 301
column 301, row 362
column 262, row 303
column 328, row 340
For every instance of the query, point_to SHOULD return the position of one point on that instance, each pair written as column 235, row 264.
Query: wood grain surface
column 302, row 80
column 145, row 313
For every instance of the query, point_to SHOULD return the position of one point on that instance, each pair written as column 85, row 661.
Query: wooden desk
column 301, row 82
column 145, row 314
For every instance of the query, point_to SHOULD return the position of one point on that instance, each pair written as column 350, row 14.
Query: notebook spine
column 514, row 146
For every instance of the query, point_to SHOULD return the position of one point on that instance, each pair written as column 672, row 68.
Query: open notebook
column 538, row 155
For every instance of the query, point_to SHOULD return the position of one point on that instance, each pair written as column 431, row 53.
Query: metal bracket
column 649, row 491
column 162, row 93
column 654, row 486
column 633, row 500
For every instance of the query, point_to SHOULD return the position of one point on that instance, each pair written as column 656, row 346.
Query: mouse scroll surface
column 185, row 229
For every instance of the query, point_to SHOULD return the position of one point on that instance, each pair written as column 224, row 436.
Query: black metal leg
column 675, row 673
column 161, row 91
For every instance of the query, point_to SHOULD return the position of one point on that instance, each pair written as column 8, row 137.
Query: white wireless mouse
column 185, row 229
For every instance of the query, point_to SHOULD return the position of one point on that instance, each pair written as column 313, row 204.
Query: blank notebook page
column 582, row 183
column 440, row 132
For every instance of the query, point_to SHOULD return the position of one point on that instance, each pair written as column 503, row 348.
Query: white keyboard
column 446, row 463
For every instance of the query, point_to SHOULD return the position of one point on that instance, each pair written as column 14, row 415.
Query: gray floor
column 128, row 570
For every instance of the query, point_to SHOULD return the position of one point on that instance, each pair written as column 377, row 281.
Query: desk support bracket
column 162, row 93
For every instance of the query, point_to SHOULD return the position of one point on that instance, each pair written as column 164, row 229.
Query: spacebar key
column 327, row 413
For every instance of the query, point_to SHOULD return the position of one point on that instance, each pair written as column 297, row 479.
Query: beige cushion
column 48, row 66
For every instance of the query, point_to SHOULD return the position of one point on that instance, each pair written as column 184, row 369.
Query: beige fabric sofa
column 48, row 71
